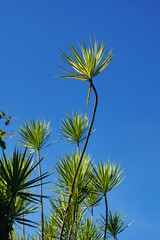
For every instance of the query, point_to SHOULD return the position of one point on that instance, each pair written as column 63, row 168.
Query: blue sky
column 128, row 117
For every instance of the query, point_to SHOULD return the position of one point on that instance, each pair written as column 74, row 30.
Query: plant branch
column 84, row 148
column 106, row 225
column 41, row 201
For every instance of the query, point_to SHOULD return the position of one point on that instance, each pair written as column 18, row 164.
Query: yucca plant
column 34, row 136
column 85, row 66
column 15, row 188
column 20, row 204
column 106, row 177
column 116, row 224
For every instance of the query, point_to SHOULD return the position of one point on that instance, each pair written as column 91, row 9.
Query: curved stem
column 105, row 231
column 75, row 230
column 80, row 160
column 41, row 201
column 23, row 231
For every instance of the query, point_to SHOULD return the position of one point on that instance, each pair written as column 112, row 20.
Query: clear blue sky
column 128, row 116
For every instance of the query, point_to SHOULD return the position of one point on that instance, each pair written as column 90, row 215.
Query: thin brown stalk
column 23, row 231
column 41, row 200
column 83, row 151
column 106, row 225
column 75, row 216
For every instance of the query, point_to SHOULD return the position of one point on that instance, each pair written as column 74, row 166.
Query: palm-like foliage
column 89, row 231
column 92, row 199
column 57, row 214
column 22, row 207
column 34, row 136
column 87, row 64
column 15, row 185
column 50, row 228
column 75, row 130
column 105, row 178
column 85, row 67
column 14, row 178
column 116, row 224
column 66, row 168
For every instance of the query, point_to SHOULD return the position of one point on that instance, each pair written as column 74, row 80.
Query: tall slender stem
column 75, row 230
column 23, row 231
column 80, row 160
column 106, row 225
column 41, row 201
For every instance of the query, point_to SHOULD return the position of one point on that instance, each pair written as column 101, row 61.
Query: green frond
column 66, row 168
column 50, row 229
column 116, row 224
column 74, row 129
column 89, row 231
column 93, row 198
column 34, row 135
column 57, row 212
column 106, row 177
column 86, row 64
column 16, row 183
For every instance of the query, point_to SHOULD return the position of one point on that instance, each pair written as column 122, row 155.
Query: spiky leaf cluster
column 87, row 64
column 74, row 129
column 15, row 194
column 34, row 135
column 116, row 224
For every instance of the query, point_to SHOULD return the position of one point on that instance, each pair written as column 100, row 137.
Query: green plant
column 80, row 183
column 105, row 178
column 35, row 136
column 116, row 224
column 89, row 231
column 16, row 186
column 75, row 130
column 85, row 68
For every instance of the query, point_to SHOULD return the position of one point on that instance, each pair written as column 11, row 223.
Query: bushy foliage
column 80, row 184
